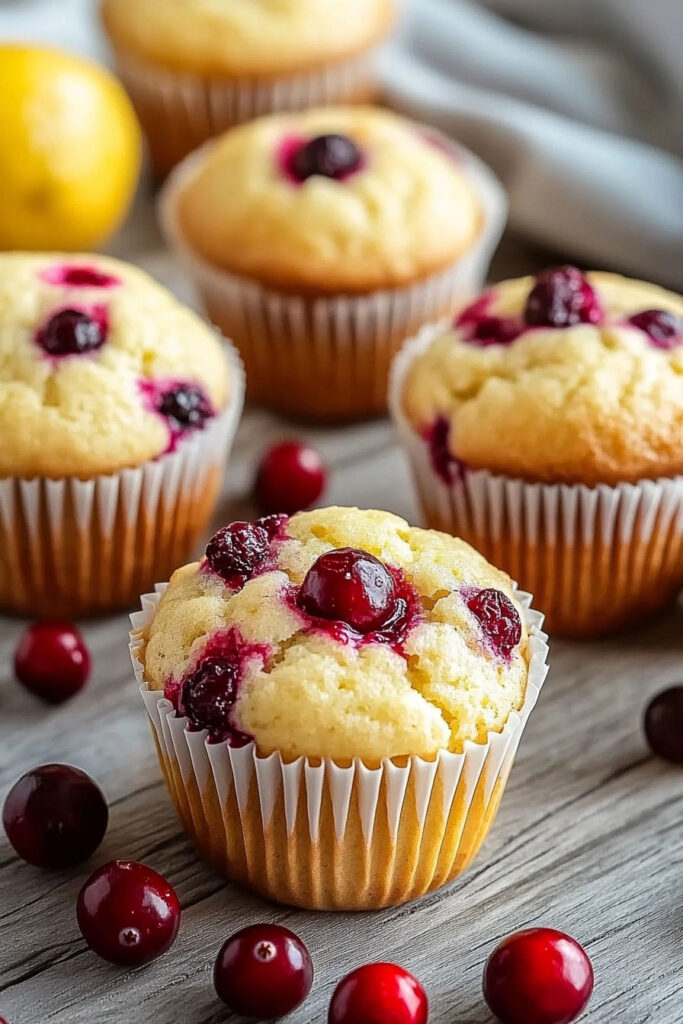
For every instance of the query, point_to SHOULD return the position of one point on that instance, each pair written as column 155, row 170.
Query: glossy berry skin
column 52, row 661
column 186, row 407
column 291, row 477
column 561, row 297
column 352, row 586
column 330, row 156
column 498, row 618
column 665, row 330
column 378, row 994
column 264, row 972
column 72, row 332
column 55, row 816
column 539, row 976
column 664, row 724
column 238, row 550
column 209, row 693
column 128, row 913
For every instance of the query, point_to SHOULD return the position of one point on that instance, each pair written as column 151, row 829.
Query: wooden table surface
column 589, row 838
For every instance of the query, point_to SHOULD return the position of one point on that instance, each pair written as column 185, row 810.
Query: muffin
column 117, row 408
column 337, row 699
column 545, row 426
column 194, row 68
column 319, row 241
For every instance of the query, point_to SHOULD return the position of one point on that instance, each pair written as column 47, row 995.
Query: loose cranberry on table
column 128, row 913
column 349, row 585
column 561, row 297
column 378, row 994
column 539, row 976
column 52, row 661
column 264, row 972
column 55, row 816
column 291, row 476
column 664, row 724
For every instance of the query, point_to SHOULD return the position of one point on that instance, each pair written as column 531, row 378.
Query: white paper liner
column 328, row 357
column 631, row 530
column 33, row 511
column 218, row 769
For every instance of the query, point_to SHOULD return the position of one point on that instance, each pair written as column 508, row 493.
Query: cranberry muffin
column 343, row 661
column 119, row 403
column 545, row 425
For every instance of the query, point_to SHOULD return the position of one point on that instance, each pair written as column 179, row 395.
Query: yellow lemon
column 69, row 150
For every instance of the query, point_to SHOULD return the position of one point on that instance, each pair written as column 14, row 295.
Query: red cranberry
column 72, row 332
column 263, row 971
column 128, row 914
column 208, row 695
column 55, row 816
column 238, row 550
column 664, row 724
column 498, row 618
column 52, row 661
column 494, row 330
column 185, row 406
column 664, row 329
column 291, row 477
column 561, row 297
column 79, row 277
column 446, row 465
column 378, row 994
column 331, row 156
column 539, row 976
column 275, row 525
column 350, row 586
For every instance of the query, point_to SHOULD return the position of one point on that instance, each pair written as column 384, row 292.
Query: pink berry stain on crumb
column 78, row 275
column 447, row 466
column 482, row 328
column 182, row 405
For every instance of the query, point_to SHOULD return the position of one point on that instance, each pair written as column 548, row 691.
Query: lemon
column 69, row 150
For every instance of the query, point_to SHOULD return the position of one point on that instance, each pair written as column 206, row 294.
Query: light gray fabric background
column 575, row 103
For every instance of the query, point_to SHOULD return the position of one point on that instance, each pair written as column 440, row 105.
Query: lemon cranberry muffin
column 367, row 648
column 318, row 240
column 116, row 403
column 562, row 395
column 197, row 67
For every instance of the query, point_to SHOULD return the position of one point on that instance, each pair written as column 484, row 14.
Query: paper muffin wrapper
column 331, row 836
column 327, row 358
column 596, row 558
column 180, row 111
column 71, row 547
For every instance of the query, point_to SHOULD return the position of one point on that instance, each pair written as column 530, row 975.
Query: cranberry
column 238, row 550
column 79, row 277
column 185, row 406
column 72, row 332
column 446, row 465
column 275, row 525
column 561, row 297
column 378, row 994
column 664, row 724
column 664, row 329
column 331, row 156
column 208, row 695
column 494, row 330
column 539, row 976
column 52, row 661
column 350, row 586
column 128, row 914
column 55, row 816
column 263, row 971
column 291, row 476
column 498, row 618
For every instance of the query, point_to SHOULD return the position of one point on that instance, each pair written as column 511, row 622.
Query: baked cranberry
column 238, row 550
column 377, row 993
column 275, row 525
column 498, row 617
column 539, row 976
column 351, row 586
column 208, row 695
column 446, row 465
column 264, row 971
column 331, row 156
column 291, row 476
column 185, row 406
column 55, row 816
column 127, row 913
column 664, row 724
column 664, row 329
column 72, row 332
column 74, row 276
column 561, row 297
column 493, row 330
column 52, row 661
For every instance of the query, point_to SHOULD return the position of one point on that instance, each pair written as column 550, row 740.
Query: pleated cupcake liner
column 596, row 558
column 180, row 111
column 324, row 835
column 71, row 547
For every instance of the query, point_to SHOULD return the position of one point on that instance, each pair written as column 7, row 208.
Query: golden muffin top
column 330, row 200
column 560, row 378
column 340, row 633
column 100, row 367
column 246, row 37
